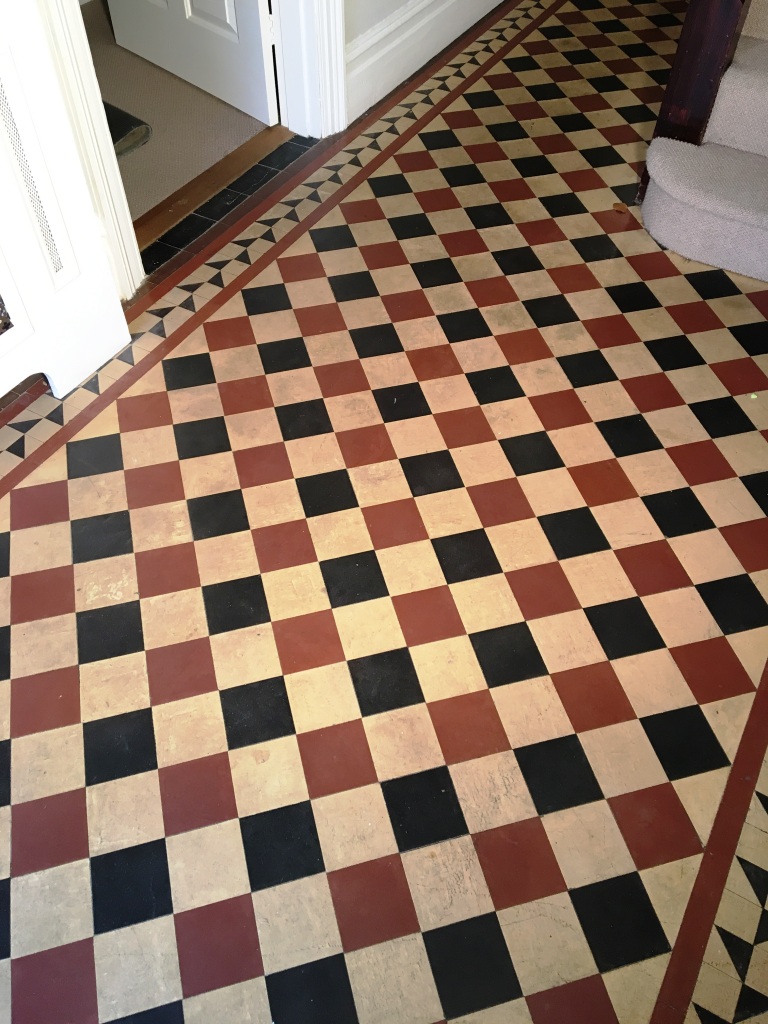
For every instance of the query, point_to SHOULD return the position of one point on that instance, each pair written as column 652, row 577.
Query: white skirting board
column 398, row 46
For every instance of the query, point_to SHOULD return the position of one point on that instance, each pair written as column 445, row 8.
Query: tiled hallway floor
column 379, row 654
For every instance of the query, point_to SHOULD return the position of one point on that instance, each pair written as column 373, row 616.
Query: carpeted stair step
column 709, row 203
column 740, row 115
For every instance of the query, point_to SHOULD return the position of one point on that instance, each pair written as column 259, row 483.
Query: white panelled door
column 222, row 46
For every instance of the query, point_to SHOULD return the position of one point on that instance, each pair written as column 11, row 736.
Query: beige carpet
column 191, row 130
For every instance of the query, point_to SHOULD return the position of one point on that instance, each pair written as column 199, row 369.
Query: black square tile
column 156, row 254
column 201, row 437
column 5, row 652
column 712, row 284
column 497, row 384
column 328, row 239
column 471, row 966
column 757, row 485
column 213, row 515
column 637, row 113
column 284, row 155
column 684, row 742
column 5, row 918
column 5, row 554
column 169, row 1013
column 5, row 773
column 531, row 453
column 188, row 371
column 348, row 287
column 94, row 456
column 633, row 296
column 351, row 579
column 463, row 325
column 596, row 247
column 629, row 435
column 619, row 922
column 558, row 774
column 507, row 131
column 442, row 139
column 401, row 402
column 567, row 205
column 281, row 846
column 586, row 368
column 256, row 712
column 221, row 204
column 463, row 174
column 573, row 532
column 721, row 417
column 490, row 215
column 270, row 298
column 314, row 993
column 424, row 808
column 102, row 536
column 678, row 512
column 581, row 57
column 427, row 474
column 571, row 123
column 466, row 556
column 130, row 886
column 109, row 632
column 434, row 273
column 533, row 166
column 384, row 682
column 508, row 654
column 550, row 311
column 304, row 419
column 674, row 353
column 378, row 340
column 521, row 260
column 753, row 338
column 253, row 179
column 278, row 356
column 235, row 604
column 608, row 83
column 482, row 98
column 412, row 225
column 624, row 628
column 119, row 746
column 735, row 603
column 389, row 185
column 602, row 156
column 186, row 231
column 522, row 64
column 326, row 492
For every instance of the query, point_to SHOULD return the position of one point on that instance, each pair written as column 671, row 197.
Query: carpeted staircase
column 710, row 202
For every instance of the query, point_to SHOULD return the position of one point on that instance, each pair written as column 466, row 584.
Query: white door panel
column 222, row 46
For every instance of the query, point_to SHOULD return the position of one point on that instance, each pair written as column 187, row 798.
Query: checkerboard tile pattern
column 380, row 654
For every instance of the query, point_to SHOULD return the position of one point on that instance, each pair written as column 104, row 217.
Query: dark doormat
column 128, row 132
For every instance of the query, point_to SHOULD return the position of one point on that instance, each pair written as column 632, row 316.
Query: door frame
column 311, row 80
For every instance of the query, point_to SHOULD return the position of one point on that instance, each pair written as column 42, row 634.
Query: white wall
column 361, row 15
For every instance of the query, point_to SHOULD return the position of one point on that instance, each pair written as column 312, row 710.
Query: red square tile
column 218, row 945
column 41, row 595
column 749, row 542
column 712, row 670
column 263, row 465
column 407, row 305
column 366, row 445
column 582, row 181
column 741, row 376
column 612, row 331
column 468, row 726
column 362, row 211
column 590, row 101
column 284, row 545
column 461, row 119
column 324, row 319
column 383, row 254
column 530, row 110
column 306, row 267
column 336, row 758
column 620, row 134
column 56, row 985
column 438, row 199
column 585, row 1001
column 154, row 485
column 432, row 363
column 232, row 333
column 653, row 391
column 463, row 243
column 245, row 395
column 46, row 701
column 511, row 190
column 653, row 568
column 560, row 409
column 692, row 317
column 505, row 80
column 760, row 301
column 428, row 615
column 592, row 696
column 655, row 826
column 415, row 161
column 500, row 501
column 492, row 291
column 341, row 379
column 565, row 74
column 541, row 232
column 651, row 266
column 141, row 412
column 574, row 279
column 601, row 483
column 559, row 143
column 167, row 570
column 701, row 462
column 518, row 863
column 486, row 153
column 40, row 505
column 373, row 903
column 542, row 590
column 394, row 522
column 613, row 222
column 461, row 427
column 524, row 347
column 49, row 832
column 197, row 793
column 308, row 641
column 180, row 670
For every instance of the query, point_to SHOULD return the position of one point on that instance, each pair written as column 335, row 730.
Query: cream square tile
column 447, row 668
column 727, row 502
column 626, row 523
column 137, row 968
column 46, row 763
column 229, row 557
column 403, row 742
column 681, row 617
column 531, row 711
column 321, row 697
column 43, row 645
column 189, row 729
column 521, row 544
column 125, row 812
column 246, row 1003
column 5, row 842
column 160, row 526
column 209, row 474
column 245, row 655
column 339, row 533
column 448, row 512
column 105, row 581
column 393, row 981
column 173, row 618
column 51, row 908
column 622, row 758
column 97, row 495
column 113, row 687
column 296, row 923
column 447, row 883
column 368, row 628
column 492, row 791
column 295, row 591
column 207, row 865
column 551, row 491
column 353, row 827
column 485, row 603
column 597, row 578
column 588, row 844
column 410, row 567
column 706, row 556
column 267, row 775
column 653, row 683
